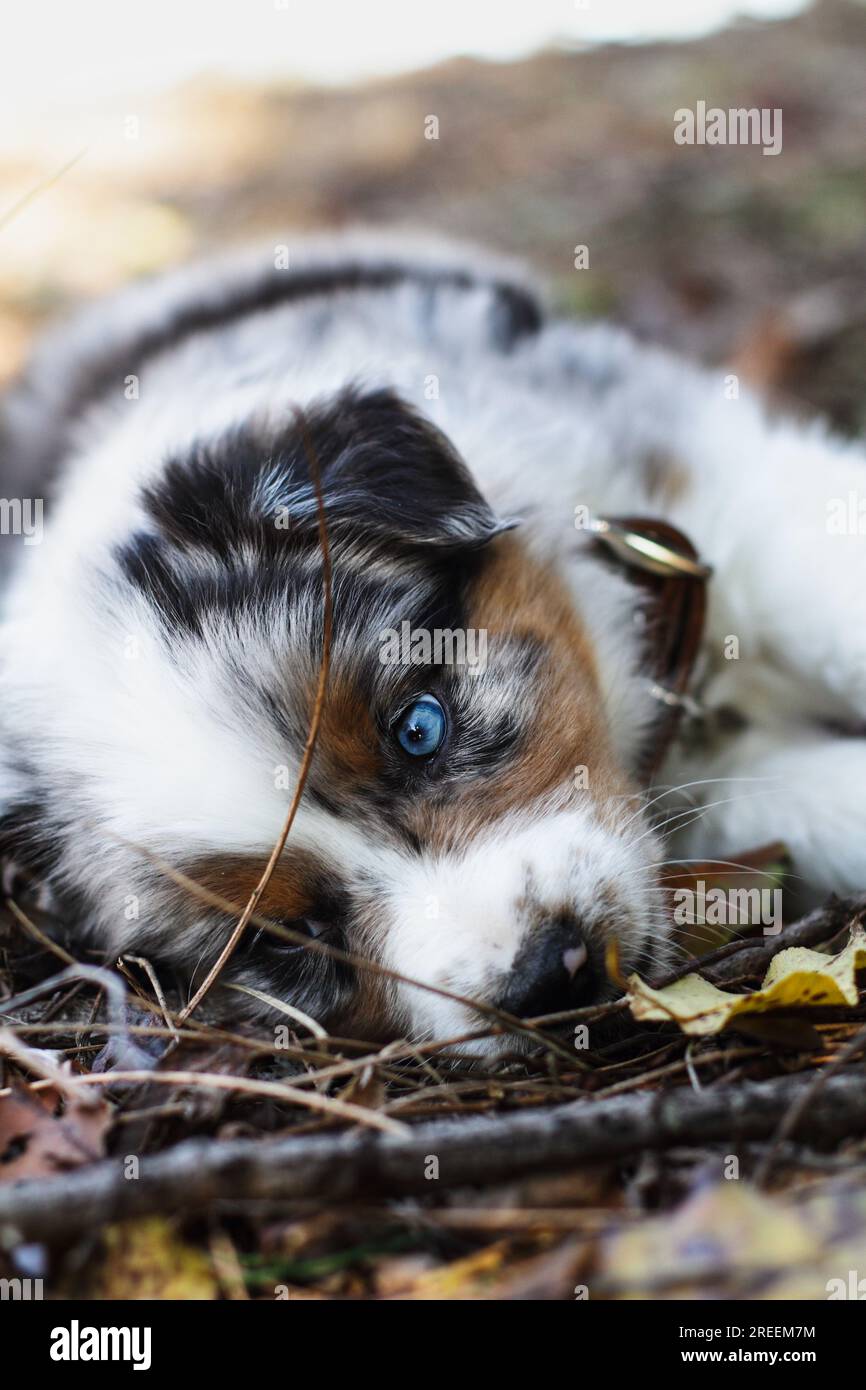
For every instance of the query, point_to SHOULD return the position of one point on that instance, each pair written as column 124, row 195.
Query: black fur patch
column 235, row 524
column 384, row 470
column 24, row 838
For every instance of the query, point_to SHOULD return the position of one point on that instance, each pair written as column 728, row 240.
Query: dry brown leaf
column 43, row 1133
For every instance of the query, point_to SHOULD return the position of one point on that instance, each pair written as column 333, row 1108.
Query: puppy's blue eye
column 421, row 729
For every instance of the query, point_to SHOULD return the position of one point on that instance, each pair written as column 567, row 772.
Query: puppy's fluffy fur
column 160, row 648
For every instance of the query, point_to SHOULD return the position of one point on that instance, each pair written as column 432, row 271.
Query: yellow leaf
column 462, row 1279
column 146, row 1259
column 796, row 978
column 723, row 1234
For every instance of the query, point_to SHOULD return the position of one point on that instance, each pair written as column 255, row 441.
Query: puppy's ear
column 385, row 471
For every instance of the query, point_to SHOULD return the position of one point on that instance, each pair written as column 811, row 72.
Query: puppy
column 477, row 823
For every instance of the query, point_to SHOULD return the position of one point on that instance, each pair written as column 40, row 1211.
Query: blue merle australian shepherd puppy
column 481, row 823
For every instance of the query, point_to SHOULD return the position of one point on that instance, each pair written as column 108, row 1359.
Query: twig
column 227, row 1266
column 278, row 1090
column 32, row 930
column 115, row 992
column 471, row 1150
column 39, row 188
column 648, row 1078
column 280, row 1006
column 37, row 1062
column 801, row 1105
column 525, row 1218
column 309, row 747
column 151, row 974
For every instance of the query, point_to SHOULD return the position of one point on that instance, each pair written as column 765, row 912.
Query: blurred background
column 135, row 136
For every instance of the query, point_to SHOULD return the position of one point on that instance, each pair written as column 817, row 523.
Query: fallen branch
column 470, row 1150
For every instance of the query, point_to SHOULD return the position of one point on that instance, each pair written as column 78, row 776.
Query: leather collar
column 672, row 574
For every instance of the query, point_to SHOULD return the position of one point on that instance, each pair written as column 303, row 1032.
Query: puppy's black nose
column 553, row 971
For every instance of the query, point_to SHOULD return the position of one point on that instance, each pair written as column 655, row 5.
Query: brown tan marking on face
column 518, row 596
column 348, row 752
column 290, row 894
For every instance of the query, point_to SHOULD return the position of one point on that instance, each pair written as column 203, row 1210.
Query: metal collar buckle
column 647, row 554
column 673, row 578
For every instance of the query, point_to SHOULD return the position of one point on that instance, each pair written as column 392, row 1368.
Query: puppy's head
column 469, row 820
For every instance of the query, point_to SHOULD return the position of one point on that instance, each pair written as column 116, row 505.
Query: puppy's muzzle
column 555, row 970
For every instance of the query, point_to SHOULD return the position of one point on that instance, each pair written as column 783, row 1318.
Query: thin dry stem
column 309, row 747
